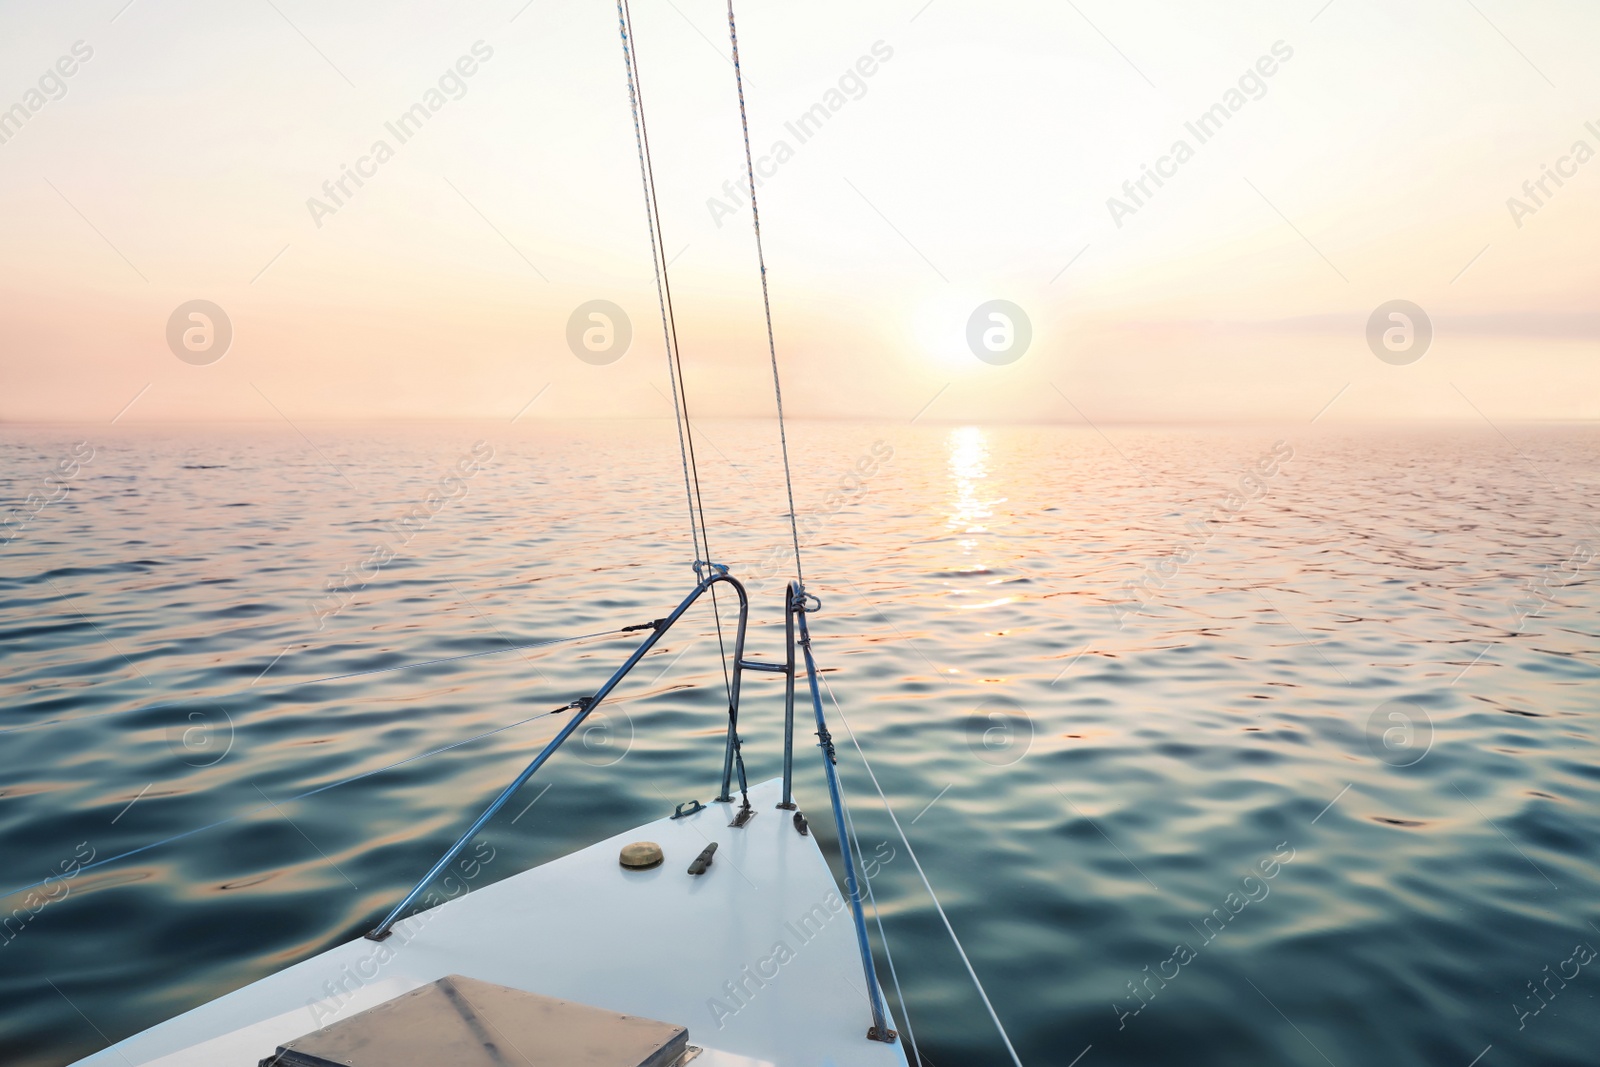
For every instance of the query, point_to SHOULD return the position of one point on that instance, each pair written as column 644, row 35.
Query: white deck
column 660, row 944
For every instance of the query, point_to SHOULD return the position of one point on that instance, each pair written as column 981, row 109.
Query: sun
column 938, row 328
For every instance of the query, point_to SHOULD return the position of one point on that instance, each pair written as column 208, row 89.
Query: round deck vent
column 640, row 856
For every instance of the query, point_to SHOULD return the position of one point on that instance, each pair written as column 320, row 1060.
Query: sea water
column 1247, row 746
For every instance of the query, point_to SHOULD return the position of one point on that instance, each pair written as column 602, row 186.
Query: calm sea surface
column 1218, row 748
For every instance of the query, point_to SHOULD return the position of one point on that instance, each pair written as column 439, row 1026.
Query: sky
column 1357, row 153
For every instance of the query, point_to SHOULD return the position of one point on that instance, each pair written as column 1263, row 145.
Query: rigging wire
column 669, row 326
column 794, row 526
column 993, row 1015
column 663, row 284
column 766, row 300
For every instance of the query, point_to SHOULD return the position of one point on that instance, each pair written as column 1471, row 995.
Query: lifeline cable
column 960, row 951
column 877, row 917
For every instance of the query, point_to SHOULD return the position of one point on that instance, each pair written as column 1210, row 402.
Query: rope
column 313, row 681
column 912, row 853
column 766, row 300
column 669, row 325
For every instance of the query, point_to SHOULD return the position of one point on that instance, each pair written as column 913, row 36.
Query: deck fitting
column 703, row 861
column 692, row 805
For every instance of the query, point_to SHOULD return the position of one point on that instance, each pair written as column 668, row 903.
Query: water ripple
column 1100, row 718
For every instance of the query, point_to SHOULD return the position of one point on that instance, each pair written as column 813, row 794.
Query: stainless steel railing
column 795, row 609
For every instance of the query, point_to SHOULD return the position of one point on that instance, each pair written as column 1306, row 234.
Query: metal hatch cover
column 463, row 1022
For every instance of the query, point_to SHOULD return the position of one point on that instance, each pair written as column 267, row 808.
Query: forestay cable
column 788, row 484
column 669, row 328
column 766, row 300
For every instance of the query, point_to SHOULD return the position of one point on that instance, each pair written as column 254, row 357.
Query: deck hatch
column 464, row 1022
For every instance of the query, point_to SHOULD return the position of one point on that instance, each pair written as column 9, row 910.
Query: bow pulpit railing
column 796, row 606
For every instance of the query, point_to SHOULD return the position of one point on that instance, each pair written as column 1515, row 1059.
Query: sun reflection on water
column 969, row 469
column 973, row 503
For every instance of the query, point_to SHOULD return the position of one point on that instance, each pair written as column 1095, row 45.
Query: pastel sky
column 969, row 152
